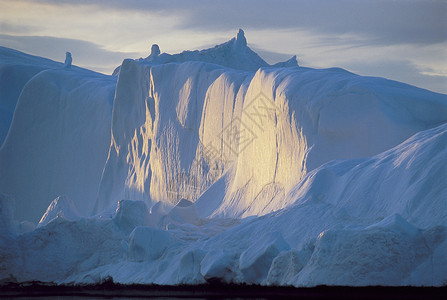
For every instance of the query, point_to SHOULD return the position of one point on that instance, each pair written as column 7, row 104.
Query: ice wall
column 159, row 137
column 172, row 139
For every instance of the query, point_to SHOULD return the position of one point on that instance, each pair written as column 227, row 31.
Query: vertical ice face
column 158, row 150
column 68, row 60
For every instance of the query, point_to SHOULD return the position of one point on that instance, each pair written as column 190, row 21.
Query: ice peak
column 240, row 39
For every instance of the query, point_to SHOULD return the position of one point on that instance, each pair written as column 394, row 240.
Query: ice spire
column 155, row 50
column 68, row 60
column 240, row 39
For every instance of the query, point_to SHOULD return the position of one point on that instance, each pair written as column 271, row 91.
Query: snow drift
column 223, row 168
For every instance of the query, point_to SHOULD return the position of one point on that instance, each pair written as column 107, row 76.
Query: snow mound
column 217, row 266
column 255, row 262
column 374, row 256
column 131, row 214
column 184, row 212
column 61, row 207
column 287, row 265
column 147, row 243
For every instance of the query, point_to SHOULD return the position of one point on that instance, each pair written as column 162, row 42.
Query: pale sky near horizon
column 404, row 40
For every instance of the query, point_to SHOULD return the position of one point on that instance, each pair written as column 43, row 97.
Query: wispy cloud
column 384, row 21
column 85, row 54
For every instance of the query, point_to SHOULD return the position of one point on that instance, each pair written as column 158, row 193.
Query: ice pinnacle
column 241, row 38
column 68, row 60
column 155, row 50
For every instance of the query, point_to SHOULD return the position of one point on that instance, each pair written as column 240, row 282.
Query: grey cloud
column 384, row 22
column 270, row 56
column 374, row 22
column 15, row 28
column 387, row 22
column 85, row 54
column 399, row 70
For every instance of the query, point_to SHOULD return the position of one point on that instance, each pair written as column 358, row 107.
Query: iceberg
column 214, row 166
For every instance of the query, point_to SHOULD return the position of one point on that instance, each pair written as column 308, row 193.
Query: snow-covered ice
column 213, row 166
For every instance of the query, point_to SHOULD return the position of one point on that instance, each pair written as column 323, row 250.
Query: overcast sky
column 404, row 40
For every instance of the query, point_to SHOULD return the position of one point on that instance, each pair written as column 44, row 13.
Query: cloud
column 380, row 22
column 270, row 57
column 421, row 65
column 15, row 28
column 384, row 21
column 85, row 54
column 403, row 71
column 115, row 30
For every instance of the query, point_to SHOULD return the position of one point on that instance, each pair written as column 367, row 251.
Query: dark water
column 212, row 291
column 103, row 298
